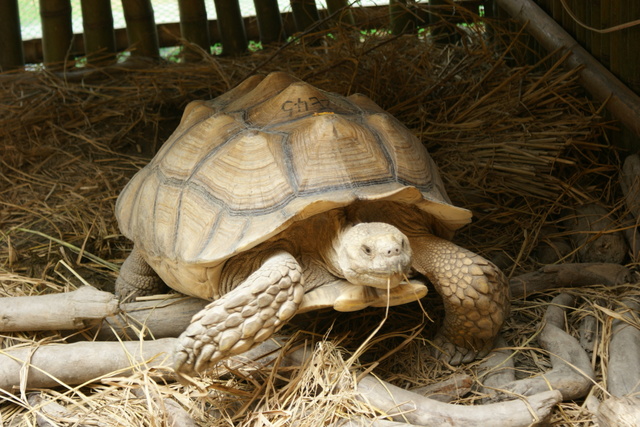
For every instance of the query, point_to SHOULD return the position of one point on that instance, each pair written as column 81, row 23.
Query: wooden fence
column 100, row 41
column 596, row 25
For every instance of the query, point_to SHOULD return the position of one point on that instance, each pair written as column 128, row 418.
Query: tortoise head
column 374, row 254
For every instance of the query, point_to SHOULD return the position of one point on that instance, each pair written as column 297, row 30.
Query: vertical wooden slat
column 231, row 27
column 342, row 8
column 11, row 53
column 99, row 37
column 440, row 32
column 55, row 16
column 633, row 47
column 305, row 14
column 141, row 28
column 400, row 19
column 579, row 9
column 194, row 26
column 595, row 39
column 269, row 21
column 615, row 55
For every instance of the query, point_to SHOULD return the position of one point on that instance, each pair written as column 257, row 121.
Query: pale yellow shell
column 242, row 167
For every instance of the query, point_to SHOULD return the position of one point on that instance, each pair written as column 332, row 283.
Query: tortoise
column 277, row 198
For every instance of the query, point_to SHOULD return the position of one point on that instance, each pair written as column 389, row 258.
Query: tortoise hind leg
column 247, row 315
column 475, row 294
column 137, row 278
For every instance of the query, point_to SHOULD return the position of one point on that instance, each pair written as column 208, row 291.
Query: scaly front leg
column 247, row 315
column 475, row 293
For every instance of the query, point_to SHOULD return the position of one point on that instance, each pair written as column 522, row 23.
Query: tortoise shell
column 243, row 167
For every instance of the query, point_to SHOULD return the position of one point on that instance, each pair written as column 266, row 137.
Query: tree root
column 572, row 373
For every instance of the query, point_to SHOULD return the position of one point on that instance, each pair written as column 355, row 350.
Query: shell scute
column 187, row 150
column 241, row 168
column 329, row 152
column 296, row 101
column 271, row 85
column 248, row 174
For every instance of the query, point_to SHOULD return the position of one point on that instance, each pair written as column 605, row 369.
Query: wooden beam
column 621, row 101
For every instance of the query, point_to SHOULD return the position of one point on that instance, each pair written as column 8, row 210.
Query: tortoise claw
column 445, row 350
column 247, row 315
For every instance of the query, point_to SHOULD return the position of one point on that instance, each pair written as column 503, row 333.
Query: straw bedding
column 516, row 144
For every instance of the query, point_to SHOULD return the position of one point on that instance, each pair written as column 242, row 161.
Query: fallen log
column 169, row 315
column 79, row 309
column 621, row 101
column 496, row 369
column 90, row 361
column 619, row 412
column 623, row 374
column 53, row 365
column 568, row 275
column 408, row 407
column 572, row 373
column 402, row 405
column 447, row 390
column 157, row 318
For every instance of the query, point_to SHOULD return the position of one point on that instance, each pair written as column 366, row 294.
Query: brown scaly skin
column 137, row 278
column 475, row 295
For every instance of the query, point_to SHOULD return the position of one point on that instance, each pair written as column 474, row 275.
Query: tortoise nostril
column 393, row 251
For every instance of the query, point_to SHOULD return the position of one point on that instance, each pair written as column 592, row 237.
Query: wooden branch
column 568, row 275
column 169, row 317
column 623, row 375
column 497, row 369
column 408, row 407
column 79, row 309
column 403, row 405
column 157, row 318
column 572, row 373
column 447, row 390
column 619, row 412
column 623, row 103
column 53, row 365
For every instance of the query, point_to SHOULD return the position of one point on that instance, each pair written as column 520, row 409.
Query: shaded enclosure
column 517, row 138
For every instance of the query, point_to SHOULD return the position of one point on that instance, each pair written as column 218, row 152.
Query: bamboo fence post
column 194, row 26
column 621, row 101
column 400, row 19
column 343, row 9
column 231, row 27
column 269, row 21
column 141, row 28
column 11, row 53
column 99, row 37
column 439, row 9
column 57, row 32
column 305, row 14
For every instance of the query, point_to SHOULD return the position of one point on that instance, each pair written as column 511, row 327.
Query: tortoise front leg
column 475, row 293
column 247, row 315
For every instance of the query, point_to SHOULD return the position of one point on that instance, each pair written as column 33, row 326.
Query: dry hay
column 516, row 144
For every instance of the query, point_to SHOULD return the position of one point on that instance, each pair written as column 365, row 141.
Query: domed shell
column 242, row 167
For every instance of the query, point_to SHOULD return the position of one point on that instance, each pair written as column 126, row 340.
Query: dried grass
column 515, row 144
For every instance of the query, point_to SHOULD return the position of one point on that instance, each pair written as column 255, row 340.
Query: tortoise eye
column 366, row 249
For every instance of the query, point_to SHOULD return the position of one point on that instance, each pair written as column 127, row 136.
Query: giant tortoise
column 277, row 198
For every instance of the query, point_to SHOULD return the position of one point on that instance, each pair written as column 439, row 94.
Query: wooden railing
column 100, row 41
